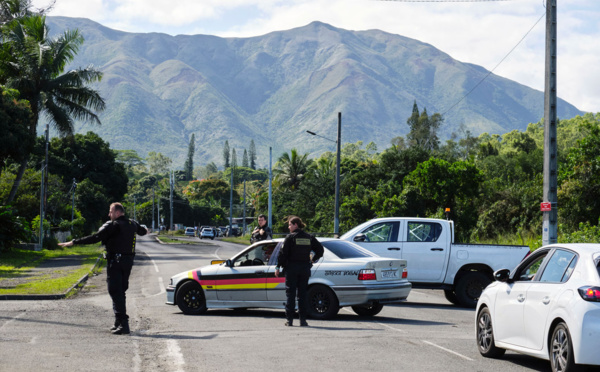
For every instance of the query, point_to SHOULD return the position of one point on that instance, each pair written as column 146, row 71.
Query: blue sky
column 482, row 32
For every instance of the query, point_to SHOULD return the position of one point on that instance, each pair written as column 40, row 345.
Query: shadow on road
column 341, row 317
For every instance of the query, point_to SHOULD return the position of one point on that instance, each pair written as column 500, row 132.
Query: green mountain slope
column 272, row 88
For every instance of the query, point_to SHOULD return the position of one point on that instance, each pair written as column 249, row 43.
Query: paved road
column 424, row 334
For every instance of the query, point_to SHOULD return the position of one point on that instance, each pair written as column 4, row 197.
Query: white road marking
column 216, row 254
column 137, row 359
column 162, row 286
column 383, row 324
column 448, row 350
column 390, row 327
column 154, row 263
column 175, row 353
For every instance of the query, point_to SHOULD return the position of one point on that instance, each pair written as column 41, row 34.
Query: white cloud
column 481, row 33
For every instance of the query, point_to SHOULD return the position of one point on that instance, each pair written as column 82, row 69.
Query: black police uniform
column 296, row 262
column 257, row 236
column 118, row 237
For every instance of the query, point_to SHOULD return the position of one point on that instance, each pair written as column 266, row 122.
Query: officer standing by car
column 296, row 262
column 262, row 231
column 118, row 236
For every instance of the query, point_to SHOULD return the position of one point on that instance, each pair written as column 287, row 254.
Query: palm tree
column 33, row 64
column 290, row 168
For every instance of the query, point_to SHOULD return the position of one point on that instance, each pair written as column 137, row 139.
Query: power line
column 499, row 63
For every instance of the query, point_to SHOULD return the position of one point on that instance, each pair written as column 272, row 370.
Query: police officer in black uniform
column 262, row 231
column 296, row 262
column 118, row 236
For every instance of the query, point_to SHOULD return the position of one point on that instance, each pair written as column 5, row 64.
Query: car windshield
column 344, row 249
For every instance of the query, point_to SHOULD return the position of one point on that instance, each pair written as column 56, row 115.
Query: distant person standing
column 262, row 231
column 296, row 262
column 118, row 236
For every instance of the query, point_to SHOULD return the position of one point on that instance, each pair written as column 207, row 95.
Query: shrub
column 13, row 229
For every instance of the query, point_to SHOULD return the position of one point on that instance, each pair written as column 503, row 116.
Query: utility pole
column 172, row 179
column 41, row 237
column 336, row 218
column 43, row 188
column 230, row 231
column 152, row 208
column 244, row 214
column 270, row 187
column 73, row 202
column 550, row 222
column 158, row 213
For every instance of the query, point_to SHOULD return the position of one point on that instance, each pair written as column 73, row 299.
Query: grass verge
column 238, row 239
column 18, row 275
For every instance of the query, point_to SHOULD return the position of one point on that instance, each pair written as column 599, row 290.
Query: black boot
column 122, row 329
column 116, row 325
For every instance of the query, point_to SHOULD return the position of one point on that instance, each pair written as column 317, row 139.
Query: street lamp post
column 336, row 217
column 73, row 202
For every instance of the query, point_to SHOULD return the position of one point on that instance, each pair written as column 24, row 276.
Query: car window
column 423, row 231
column 528, row 272
column 259, row 255
column 381, row 232
column 343, row 249
column 556, row 269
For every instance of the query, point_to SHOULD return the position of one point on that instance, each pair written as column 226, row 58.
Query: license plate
column 389, row 274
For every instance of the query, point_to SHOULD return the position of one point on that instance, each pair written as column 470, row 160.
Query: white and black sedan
column 346, row 275
column 548, row 307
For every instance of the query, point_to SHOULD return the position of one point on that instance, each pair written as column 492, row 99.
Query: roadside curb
column 76, row 287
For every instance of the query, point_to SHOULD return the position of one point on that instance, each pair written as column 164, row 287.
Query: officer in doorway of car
column 118, row 236
column 296, row 262
column 262, row 231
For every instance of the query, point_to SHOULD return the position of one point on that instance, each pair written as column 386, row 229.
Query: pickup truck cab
column 434, row 260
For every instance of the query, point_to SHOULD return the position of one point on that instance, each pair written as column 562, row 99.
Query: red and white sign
column 545, row 207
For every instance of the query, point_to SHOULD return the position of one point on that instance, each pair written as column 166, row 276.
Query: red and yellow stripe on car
column 235, row 281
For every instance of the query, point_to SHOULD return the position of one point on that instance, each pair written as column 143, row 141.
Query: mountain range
column 160, row 89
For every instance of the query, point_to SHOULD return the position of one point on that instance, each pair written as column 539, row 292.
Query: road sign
column 545, row 207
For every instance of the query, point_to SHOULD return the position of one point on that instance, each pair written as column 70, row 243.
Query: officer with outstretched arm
column 118, row 236
column 296, row 262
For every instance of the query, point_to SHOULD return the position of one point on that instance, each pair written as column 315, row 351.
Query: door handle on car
column 259, row 272
column 393, row 249
column 437, row 249
column 521, row 298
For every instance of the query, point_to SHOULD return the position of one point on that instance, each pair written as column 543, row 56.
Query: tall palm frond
column 33, row 64
column 290, row 168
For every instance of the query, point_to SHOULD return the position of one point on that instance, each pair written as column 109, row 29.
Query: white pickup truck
column 434, row 260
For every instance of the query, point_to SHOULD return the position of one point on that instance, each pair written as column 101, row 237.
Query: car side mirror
column 359, row 238
column 502, row 275
column 228, row 263
column 216, row 262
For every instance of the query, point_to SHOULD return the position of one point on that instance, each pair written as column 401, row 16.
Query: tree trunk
column 17, row 182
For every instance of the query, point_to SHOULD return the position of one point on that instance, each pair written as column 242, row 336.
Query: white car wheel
column 485, row 335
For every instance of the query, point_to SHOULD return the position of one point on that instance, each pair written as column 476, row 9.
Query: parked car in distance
column 346, row 275
column 547, row 307
column 435, row 260
column 190, row 231
column 207, row 232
